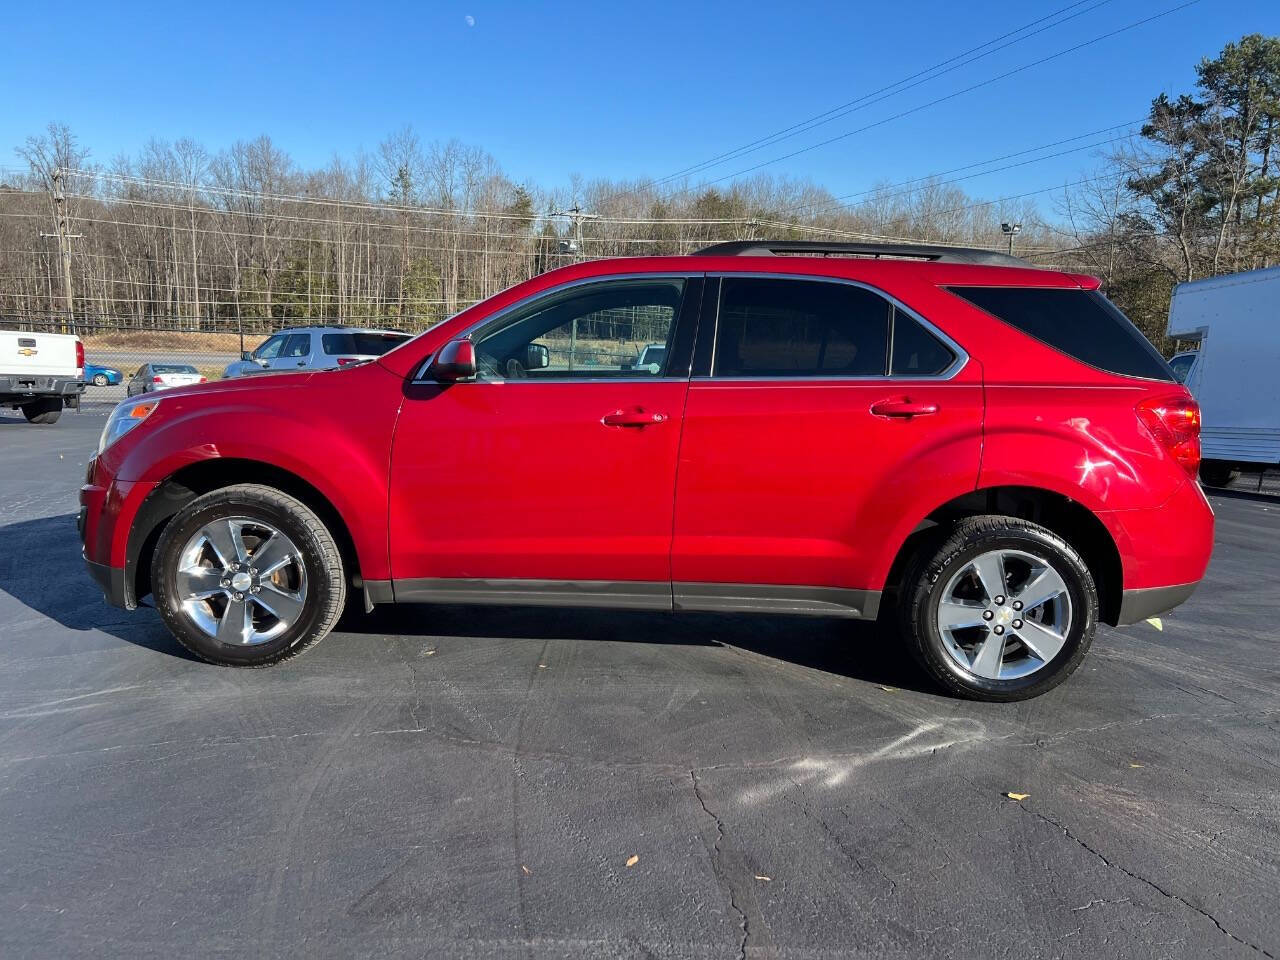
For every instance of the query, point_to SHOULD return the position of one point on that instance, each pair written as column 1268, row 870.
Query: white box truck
column 1235, row 371
column 40, row 373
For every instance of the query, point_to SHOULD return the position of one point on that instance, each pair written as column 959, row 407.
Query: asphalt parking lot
column 460, row 782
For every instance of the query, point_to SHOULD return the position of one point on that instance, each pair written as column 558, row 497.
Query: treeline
column 178, row 237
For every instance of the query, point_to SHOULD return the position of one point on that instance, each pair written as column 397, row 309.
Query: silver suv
column 315, row 348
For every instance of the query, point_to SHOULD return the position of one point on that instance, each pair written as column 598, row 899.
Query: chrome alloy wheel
column 1004, row 615
column 241, row 581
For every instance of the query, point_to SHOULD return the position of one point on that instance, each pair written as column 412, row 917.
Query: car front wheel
column 99, row 379
column 247, row 576
column 1003, row 610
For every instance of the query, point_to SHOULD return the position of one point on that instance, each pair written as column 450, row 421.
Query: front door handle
column 903, row 407
column 632, row 418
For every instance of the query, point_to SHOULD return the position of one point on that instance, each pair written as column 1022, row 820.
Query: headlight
column 124, row 418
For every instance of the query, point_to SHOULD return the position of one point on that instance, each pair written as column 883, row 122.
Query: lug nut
column 1017, row 604
column 999, row 601
column 999, row 631
column 253, row 572
column 986, row 614
column 255, row 588
column 226, row 582
column 1017, row 624
column 239, row 595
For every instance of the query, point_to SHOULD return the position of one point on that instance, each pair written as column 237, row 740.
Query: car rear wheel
column 247, row 576
column 1003, row 610
column 45, row 410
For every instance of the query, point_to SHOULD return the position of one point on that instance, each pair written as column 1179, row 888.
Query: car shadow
column 40, row 567
column 855, row 649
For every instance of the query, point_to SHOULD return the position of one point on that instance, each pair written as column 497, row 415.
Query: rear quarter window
column 1083, row 324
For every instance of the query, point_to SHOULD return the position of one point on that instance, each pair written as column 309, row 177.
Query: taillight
column 157, row 380
column 1175, row 423
column 79, row 355
column 203, row 380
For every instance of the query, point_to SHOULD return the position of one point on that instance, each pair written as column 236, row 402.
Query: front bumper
column 107, row 509
column 112, row 582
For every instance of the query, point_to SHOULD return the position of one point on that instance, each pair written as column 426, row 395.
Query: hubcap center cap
column 1004, row 615
column 241, row 581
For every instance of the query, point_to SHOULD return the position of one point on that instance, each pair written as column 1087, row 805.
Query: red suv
column 988, row 452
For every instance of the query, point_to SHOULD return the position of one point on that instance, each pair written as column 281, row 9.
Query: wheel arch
column 203, row 476
column 1072, row 521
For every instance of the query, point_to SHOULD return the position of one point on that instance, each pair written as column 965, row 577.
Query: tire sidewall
column 1080, row 590
column 164, row 569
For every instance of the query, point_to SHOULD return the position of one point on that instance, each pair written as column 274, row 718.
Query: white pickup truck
column 40, row 373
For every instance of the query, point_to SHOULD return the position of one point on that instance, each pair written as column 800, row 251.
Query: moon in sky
column 471, row 21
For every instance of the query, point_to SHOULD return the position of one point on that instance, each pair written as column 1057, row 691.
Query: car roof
column 339, row 328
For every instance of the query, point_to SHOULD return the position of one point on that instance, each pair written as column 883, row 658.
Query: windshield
column 172, row 368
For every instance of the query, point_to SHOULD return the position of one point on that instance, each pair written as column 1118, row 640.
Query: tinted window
column 586, row 332
column 1080, row 323
column 297, row 345
column 776, row 327
column 1181, row 366
column 172, row 368
column 360, row 343
column 916, row 351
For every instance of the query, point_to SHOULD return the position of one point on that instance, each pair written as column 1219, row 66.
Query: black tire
column 45, row 410
column 99, row 379
column 1217, row 473
column 928, row 576
column 326, row 582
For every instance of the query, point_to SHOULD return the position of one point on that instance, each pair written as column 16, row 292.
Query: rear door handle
column 904, row 407
column 632, row 418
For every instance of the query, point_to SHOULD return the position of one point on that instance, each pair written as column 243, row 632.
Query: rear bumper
column 17, row 386
column 1145, row 602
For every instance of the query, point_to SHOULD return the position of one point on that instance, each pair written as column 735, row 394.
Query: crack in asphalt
column 1066, row 832
column 717, row 866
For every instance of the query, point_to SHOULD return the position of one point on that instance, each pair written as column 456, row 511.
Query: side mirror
column 537, row 356
column 455, row 361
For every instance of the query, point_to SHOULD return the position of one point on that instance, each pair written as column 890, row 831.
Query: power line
column 844, row 109
column 942, row 99
column 930, row 180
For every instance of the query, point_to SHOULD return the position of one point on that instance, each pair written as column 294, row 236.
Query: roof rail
column 871, row 251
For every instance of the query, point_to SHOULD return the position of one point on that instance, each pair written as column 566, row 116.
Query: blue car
column 101, row 376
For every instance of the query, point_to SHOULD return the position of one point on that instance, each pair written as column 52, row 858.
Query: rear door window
column 1083, row 324
column 777, row 327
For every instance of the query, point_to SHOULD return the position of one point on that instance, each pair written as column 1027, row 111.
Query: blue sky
column 616, row 90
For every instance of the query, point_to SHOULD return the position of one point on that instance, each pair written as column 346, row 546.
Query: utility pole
column 574, row 249
column 62, row 226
